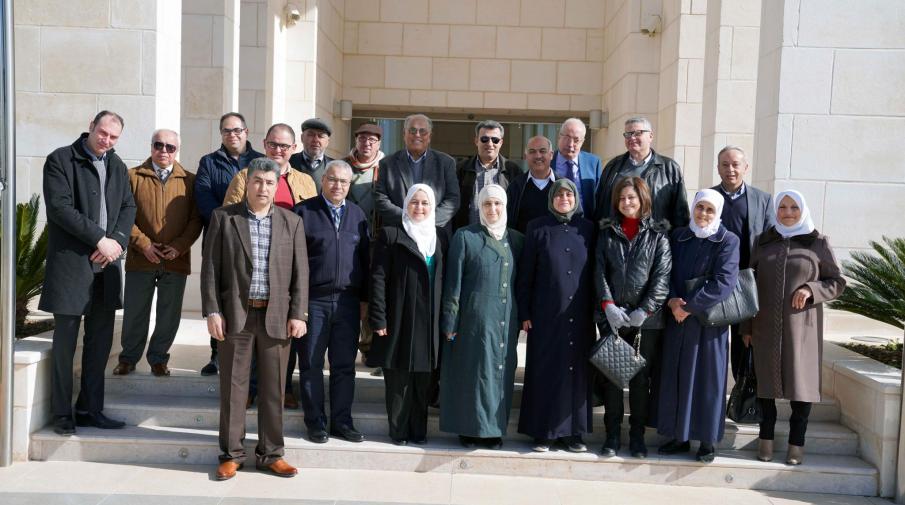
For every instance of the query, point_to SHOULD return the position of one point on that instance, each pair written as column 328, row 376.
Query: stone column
column 730, row 81
column 130, row 47
column 210, row 78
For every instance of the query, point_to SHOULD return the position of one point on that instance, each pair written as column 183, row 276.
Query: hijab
column 713, row 198
column 804, row 225
column 424, row 233
column 497, row 229
column 557, row 185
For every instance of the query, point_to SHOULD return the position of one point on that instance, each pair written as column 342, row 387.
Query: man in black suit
column 313, row 158
column 486, row 167
column 90, row 213
column 748, row 212
column 416, row 163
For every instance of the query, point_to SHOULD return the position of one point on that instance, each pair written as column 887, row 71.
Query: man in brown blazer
column 254, row 289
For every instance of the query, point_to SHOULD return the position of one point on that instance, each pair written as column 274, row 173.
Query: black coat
column 396, row 178
column 633, row 274
column 403, row 302
column 71, row 195
column 466, row 173
column 298, row 162
column 667, row 188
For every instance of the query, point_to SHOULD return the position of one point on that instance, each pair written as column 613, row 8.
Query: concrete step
column 368, row 389
column 371, row 419
column 731, row 469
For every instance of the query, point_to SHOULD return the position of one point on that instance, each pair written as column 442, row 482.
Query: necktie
column 162, row 174
column 573, row 172
column 337, row 216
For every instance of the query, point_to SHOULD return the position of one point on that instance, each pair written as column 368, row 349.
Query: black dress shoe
column 610, row 445
column 400, row 441
column 64, row 425
column 674, row 447
column 347, row 432
column 420, row 441
column 574, row 444
column 210, row 368
column 494, row 443
column 466, row 442
column 318, row 435
column 637, row 447
column 97, row 420
column 706, row 453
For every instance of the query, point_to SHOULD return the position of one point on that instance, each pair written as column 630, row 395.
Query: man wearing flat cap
column 313, row 158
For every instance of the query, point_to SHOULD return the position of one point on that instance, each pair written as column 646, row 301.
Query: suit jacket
column 396, row 178
column 760, row 212
column 298, row 162
column 71, row 196
column 226, row 269
column 589, row 171
column 466, row 173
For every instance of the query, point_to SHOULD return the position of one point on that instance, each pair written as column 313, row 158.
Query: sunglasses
column 418, row 131
column 485, row 139
column 636, row 133
column 160, row 146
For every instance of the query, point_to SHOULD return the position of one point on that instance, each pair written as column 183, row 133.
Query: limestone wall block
column 362, row 10
column 869, row 83
column 584, row 13
column 806, row 80
column 458, row 12
column 136, row 14
column 518, row 43
column 534, row 76
column 425, row 40
column 505, row 100
column 489, row 75
column 838, row 23
column 472, row 41
column 542, row 13
column 57, row 13
column 404, row 11
column 499, row 13
column 114, row 56
column 28, row 44
column 547, row 101
column 423, row 98
column 380, row 38
column 579, row 78
column 564, row 44
column 450, row 73
column 408, row 72
column 38, row 133
column 363, row 71
column 465, row 99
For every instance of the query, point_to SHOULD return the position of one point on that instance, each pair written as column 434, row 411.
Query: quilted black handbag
column 743, row 405
column 741, row 304
column 616, row 359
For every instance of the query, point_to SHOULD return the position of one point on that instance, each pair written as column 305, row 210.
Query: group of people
column 431, row 268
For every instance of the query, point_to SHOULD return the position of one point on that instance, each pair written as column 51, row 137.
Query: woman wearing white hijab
column 796, row 273
column 692, row 402
column 479, row 320
column 407, row 276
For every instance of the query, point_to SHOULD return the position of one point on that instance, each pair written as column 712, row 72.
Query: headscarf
column 497, row 229
column 557, row 185
column 424, row 233
column 713, row 198
column 804, row 225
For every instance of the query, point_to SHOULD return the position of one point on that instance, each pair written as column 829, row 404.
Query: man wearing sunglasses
column 488, row 166
column 662, row 175
column 215, row 171
column 416, row 163
column 167, row 223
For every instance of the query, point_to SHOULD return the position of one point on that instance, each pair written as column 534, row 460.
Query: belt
column 257, row 304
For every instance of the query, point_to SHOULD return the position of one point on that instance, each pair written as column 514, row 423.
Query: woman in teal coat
column 479, row 320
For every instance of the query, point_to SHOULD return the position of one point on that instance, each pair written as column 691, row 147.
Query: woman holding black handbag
column 796, row 273
column 631, row 280
column 692, row 395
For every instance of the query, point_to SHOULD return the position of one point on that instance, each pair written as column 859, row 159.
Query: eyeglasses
column 160, row 146
column 368, row 140
column 277, row 147
column 574, row 140
column 485, row 139
column 232, row 131
column 636, row 133
column 342, row 182
column 418, row 131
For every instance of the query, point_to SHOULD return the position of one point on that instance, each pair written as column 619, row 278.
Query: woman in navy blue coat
column 555, row 295
column 692, row 403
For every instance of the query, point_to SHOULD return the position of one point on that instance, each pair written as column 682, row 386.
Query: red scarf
column 630, row 227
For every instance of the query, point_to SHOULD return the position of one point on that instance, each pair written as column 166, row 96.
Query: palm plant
column 31, row 256
column 878, row 290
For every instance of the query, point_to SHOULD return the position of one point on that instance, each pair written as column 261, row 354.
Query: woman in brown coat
column 796, row 272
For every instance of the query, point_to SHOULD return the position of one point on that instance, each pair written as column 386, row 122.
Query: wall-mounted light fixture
column 654, row 25
column 598, row 119
column 292, row 14
column 343, row 109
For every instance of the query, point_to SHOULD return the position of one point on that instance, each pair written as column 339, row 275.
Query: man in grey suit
column 416, row 163
column 747, row 212
column 254, row 291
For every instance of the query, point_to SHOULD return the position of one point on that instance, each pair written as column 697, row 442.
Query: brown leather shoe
column 290, row 401
column 227, row 469
column 160, row 370
column 123, row 368
column 280, row 468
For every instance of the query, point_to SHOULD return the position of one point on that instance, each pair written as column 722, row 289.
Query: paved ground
column 80, row 483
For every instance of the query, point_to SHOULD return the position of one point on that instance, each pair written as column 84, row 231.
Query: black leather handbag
column 743, row 405
column 616, row 359
column 741, row 304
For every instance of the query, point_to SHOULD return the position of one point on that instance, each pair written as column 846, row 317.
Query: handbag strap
column 637, row 342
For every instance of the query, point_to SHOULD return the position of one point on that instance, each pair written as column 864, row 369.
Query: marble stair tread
column 162, row 445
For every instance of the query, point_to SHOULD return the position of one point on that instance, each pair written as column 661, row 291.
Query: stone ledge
column 31, row 350
column 864, row 370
